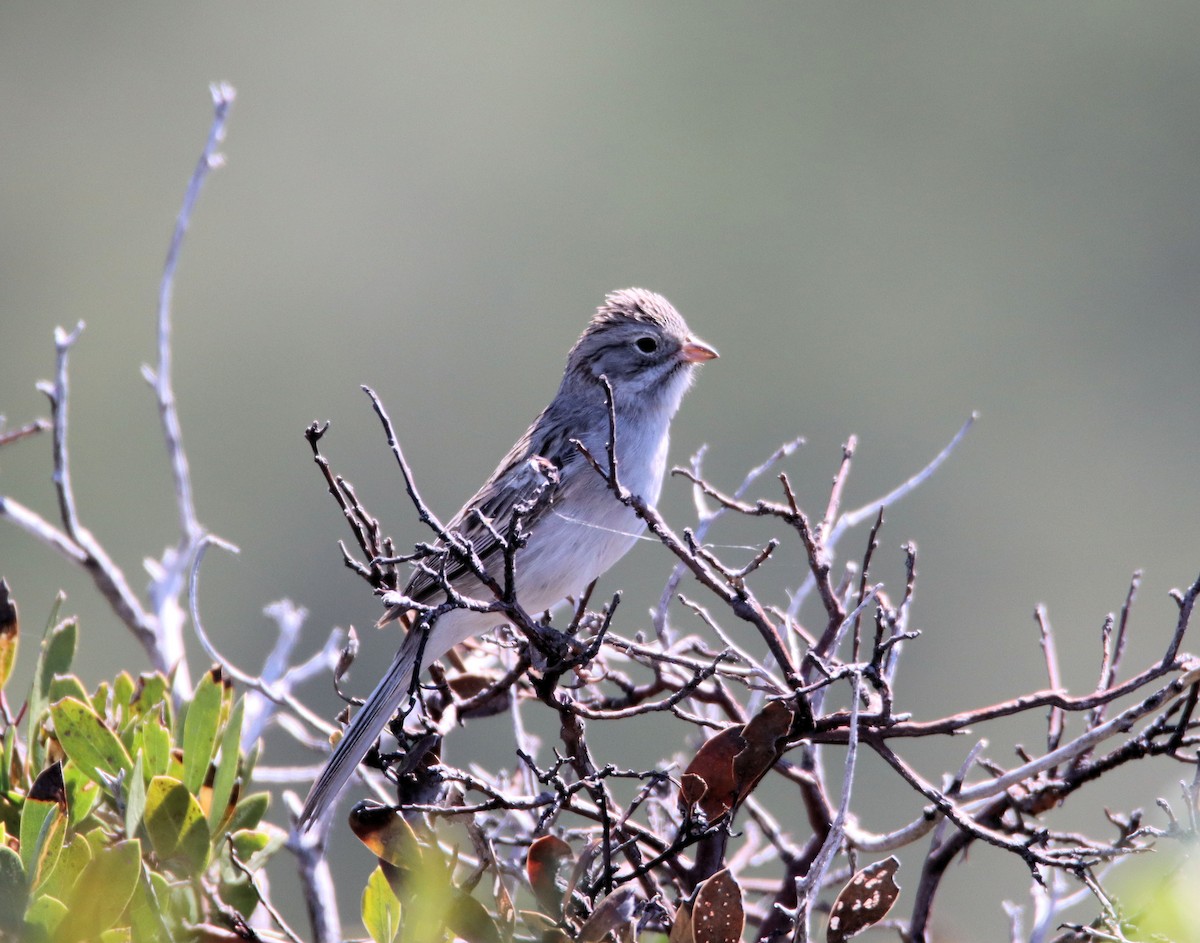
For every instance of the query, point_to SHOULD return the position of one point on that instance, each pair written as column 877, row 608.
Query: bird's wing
column 526, row 485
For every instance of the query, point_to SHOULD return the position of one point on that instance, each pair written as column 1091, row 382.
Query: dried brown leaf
column 713, row 764
column 864, row 901
column 765, row 736
column 681, row 926
column 717, row 915
column 614, row 915
column 545, row 856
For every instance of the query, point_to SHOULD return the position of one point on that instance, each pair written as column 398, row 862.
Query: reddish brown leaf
column 614, row 915
column 864, row 901
column 717, row 915
column 681, row 926
column 765, row 736
column 713, row 763
column 691, row 789
column 467, row 685
column 542, row 862
column 506, row 910
column 733, row 762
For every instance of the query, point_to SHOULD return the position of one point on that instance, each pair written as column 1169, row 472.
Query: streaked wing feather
column 518, row 482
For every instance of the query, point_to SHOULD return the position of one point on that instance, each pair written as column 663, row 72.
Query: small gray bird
column 576, row 527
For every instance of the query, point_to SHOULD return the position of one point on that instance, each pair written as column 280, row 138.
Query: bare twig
column 210, row 158
column 7, row 437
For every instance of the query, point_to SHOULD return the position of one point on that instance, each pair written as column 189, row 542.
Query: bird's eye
column 647, row 345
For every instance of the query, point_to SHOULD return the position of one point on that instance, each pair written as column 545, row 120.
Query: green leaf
column 200, row 731
column 151, row 696
column 249, row 842
column 99, row 699
column 122, row 691
column 117, row 935
column 146, row 912
column 43, row 918
column 7, row 755
column 87, row 741
column 469, row 920
column 35, row 813
column 103, row 891
column 175, row 823
column 250, row 760
column 74, row 858
column 249, row 811
column 67, row 685
column 55, row 610
column 380, row 908
column 156, row 743
column 226, row 775
column 135, row 798
column 12, row 889
column 239, row 893
column 82, row 794
column 254, row 847
column 47, row 847
column 54, row 658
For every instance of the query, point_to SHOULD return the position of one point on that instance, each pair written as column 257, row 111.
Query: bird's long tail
column 363, row 730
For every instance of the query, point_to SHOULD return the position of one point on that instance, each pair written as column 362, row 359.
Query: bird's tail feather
column 365, row 727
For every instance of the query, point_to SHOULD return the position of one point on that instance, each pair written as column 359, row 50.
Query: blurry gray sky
column 883, row 215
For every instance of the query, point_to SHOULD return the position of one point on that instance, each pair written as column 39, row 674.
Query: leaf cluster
column 122, row 814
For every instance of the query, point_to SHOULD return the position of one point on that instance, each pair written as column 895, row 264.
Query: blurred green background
column 883, row 215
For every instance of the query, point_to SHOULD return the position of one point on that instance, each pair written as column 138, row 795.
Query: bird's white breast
column 588, row 529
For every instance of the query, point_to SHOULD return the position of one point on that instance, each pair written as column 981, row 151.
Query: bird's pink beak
column 696, row 351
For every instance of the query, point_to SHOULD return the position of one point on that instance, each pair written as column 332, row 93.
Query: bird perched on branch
column 575, row 526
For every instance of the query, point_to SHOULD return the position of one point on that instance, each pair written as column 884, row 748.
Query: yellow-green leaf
column 82, row 794
column 175, row 823
column 87, row 741
column 122, row 691
column 226, row 775
column 35, row 813
column 135, row 797
column 469, row 920
column 150, row 693
column 44, row 917
column 249, row 811
column 12, row 889
column 48, row 846
column 10, row 763
column 380, row 908
column 146, row 910
column 103, row 891
column 200, row 731
column 156, row 745
column 68, row 686
column 54, row 657
column 74, row 858
column 255, row 847
column 99, row 699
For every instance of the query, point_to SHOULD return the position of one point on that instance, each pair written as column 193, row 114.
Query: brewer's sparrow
column 576, row 526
